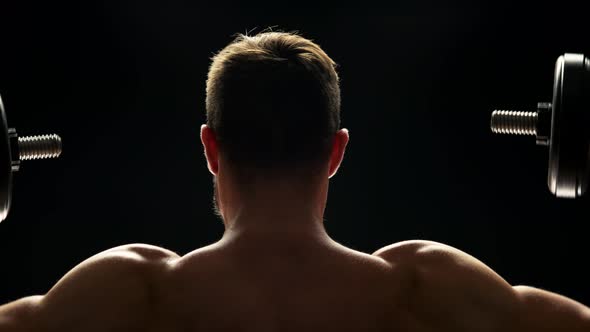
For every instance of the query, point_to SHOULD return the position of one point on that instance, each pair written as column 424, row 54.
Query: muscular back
column 320, row 286
column 242, row 287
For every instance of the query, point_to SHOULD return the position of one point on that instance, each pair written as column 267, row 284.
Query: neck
column 273, row 210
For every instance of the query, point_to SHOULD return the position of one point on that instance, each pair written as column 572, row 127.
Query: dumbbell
column 13, row 150
column 562, row 125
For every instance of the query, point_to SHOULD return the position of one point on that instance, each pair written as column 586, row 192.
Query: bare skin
column 276, row 269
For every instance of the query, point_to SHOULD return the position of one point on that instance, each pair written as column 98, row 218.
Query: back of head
column 273, row 101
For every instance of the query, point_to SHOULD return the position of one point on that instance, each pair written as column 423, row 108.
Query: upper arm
column 14, row 314
column 547, row 311
column 453, row 291
column 113, row 291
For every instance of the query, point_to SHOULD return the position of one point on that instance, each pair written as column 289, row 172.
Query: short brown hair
column 273, row 101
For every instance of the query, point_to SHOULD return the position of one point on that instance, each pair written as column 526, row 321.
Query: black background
column 123, row 83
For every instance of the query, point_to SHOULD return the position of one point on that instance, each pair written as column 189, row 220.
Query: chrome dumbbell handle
column 560, row 125
column 514, row 122
column 32, row 147
column 536, row 124
column 13, row 150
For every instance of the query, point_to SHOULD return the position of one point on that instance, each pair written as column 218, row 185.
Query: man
column 272, row 142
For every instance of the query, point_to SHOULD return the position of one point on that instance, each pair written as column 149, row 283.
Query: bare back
column 244, row 287
column 285, row 285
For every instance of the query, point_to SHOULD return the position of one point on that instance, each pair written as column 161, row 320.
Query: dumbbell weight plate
column 568, row 146
column 5, row 165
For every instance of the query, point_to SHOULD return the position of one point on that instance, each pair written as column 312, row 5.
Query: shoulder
column 428, row 255
column 137, row 263
column 121, row 284
column 419, row 251
column 131, row 261
column 450, row 287
column 440, row 263
column 138, row 253
column 402, row 249
column 436, row 263
column 115, row 290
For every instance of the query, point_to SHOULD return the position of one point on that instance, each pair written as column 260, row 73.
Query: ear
column 211, row 148
column 338, row 147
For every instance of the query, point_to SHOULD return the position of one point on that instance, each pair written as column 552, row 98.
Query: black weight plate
column 5, row 166
column 568, row 146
